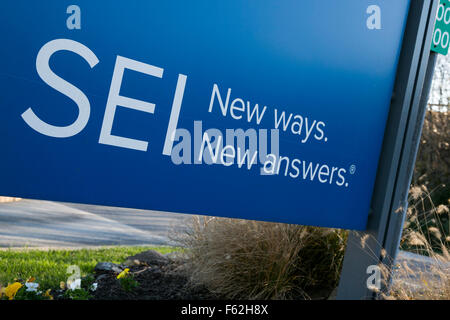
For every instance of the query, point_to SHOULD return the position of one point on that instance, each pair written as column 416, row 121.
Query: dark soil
column 151, row 276
column 154, row 283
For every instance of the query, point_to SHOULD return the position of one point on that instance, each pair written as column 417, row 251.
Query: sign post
column 379, row 244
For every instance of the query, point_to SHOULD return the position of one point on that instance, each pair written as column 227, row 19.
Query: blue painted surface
column 302, row 57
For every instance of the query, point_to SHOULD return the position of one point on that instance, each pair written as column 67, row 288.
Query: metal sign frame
column 380, row 242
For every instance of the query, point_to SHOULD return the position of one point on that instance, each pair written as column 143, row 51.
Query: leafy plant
column 128, row 283
column 87, row 281
column 24, row 294
column 77, row 294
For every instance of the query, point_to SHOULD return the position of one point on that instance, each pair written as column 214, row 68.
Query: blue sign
column 261, row 110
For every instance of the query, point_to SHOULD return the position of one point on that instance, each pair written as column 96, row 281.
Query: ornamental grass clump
column 240, row 259
column 427, row 226
column 426, row 232
column 430, row 284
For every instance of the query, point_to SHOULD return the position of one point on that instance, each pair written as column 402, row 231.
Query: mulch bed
column 155, row 283
column 157, row 277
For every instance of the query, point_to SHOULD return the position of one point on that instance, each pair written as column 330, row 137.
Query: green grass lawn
column 49, row 267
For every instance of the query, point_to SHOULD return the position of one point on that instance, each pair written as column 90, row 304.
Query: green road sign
column 441, row 36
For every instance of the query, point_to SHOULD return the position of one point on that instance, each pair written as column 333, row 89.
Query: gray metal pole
column 379, row 243
column 395, row 225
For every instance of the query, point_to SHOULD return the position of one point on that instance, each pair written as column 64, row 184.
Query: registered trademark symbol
column 352, row 169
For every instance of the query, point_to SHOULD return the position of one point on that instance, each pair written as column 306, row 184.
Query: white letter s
column 61, row 85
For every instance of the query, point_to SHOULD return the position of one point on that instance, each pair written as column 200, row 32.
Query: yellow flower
column 48, row 295
column 11, row 290
column 123, row 274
